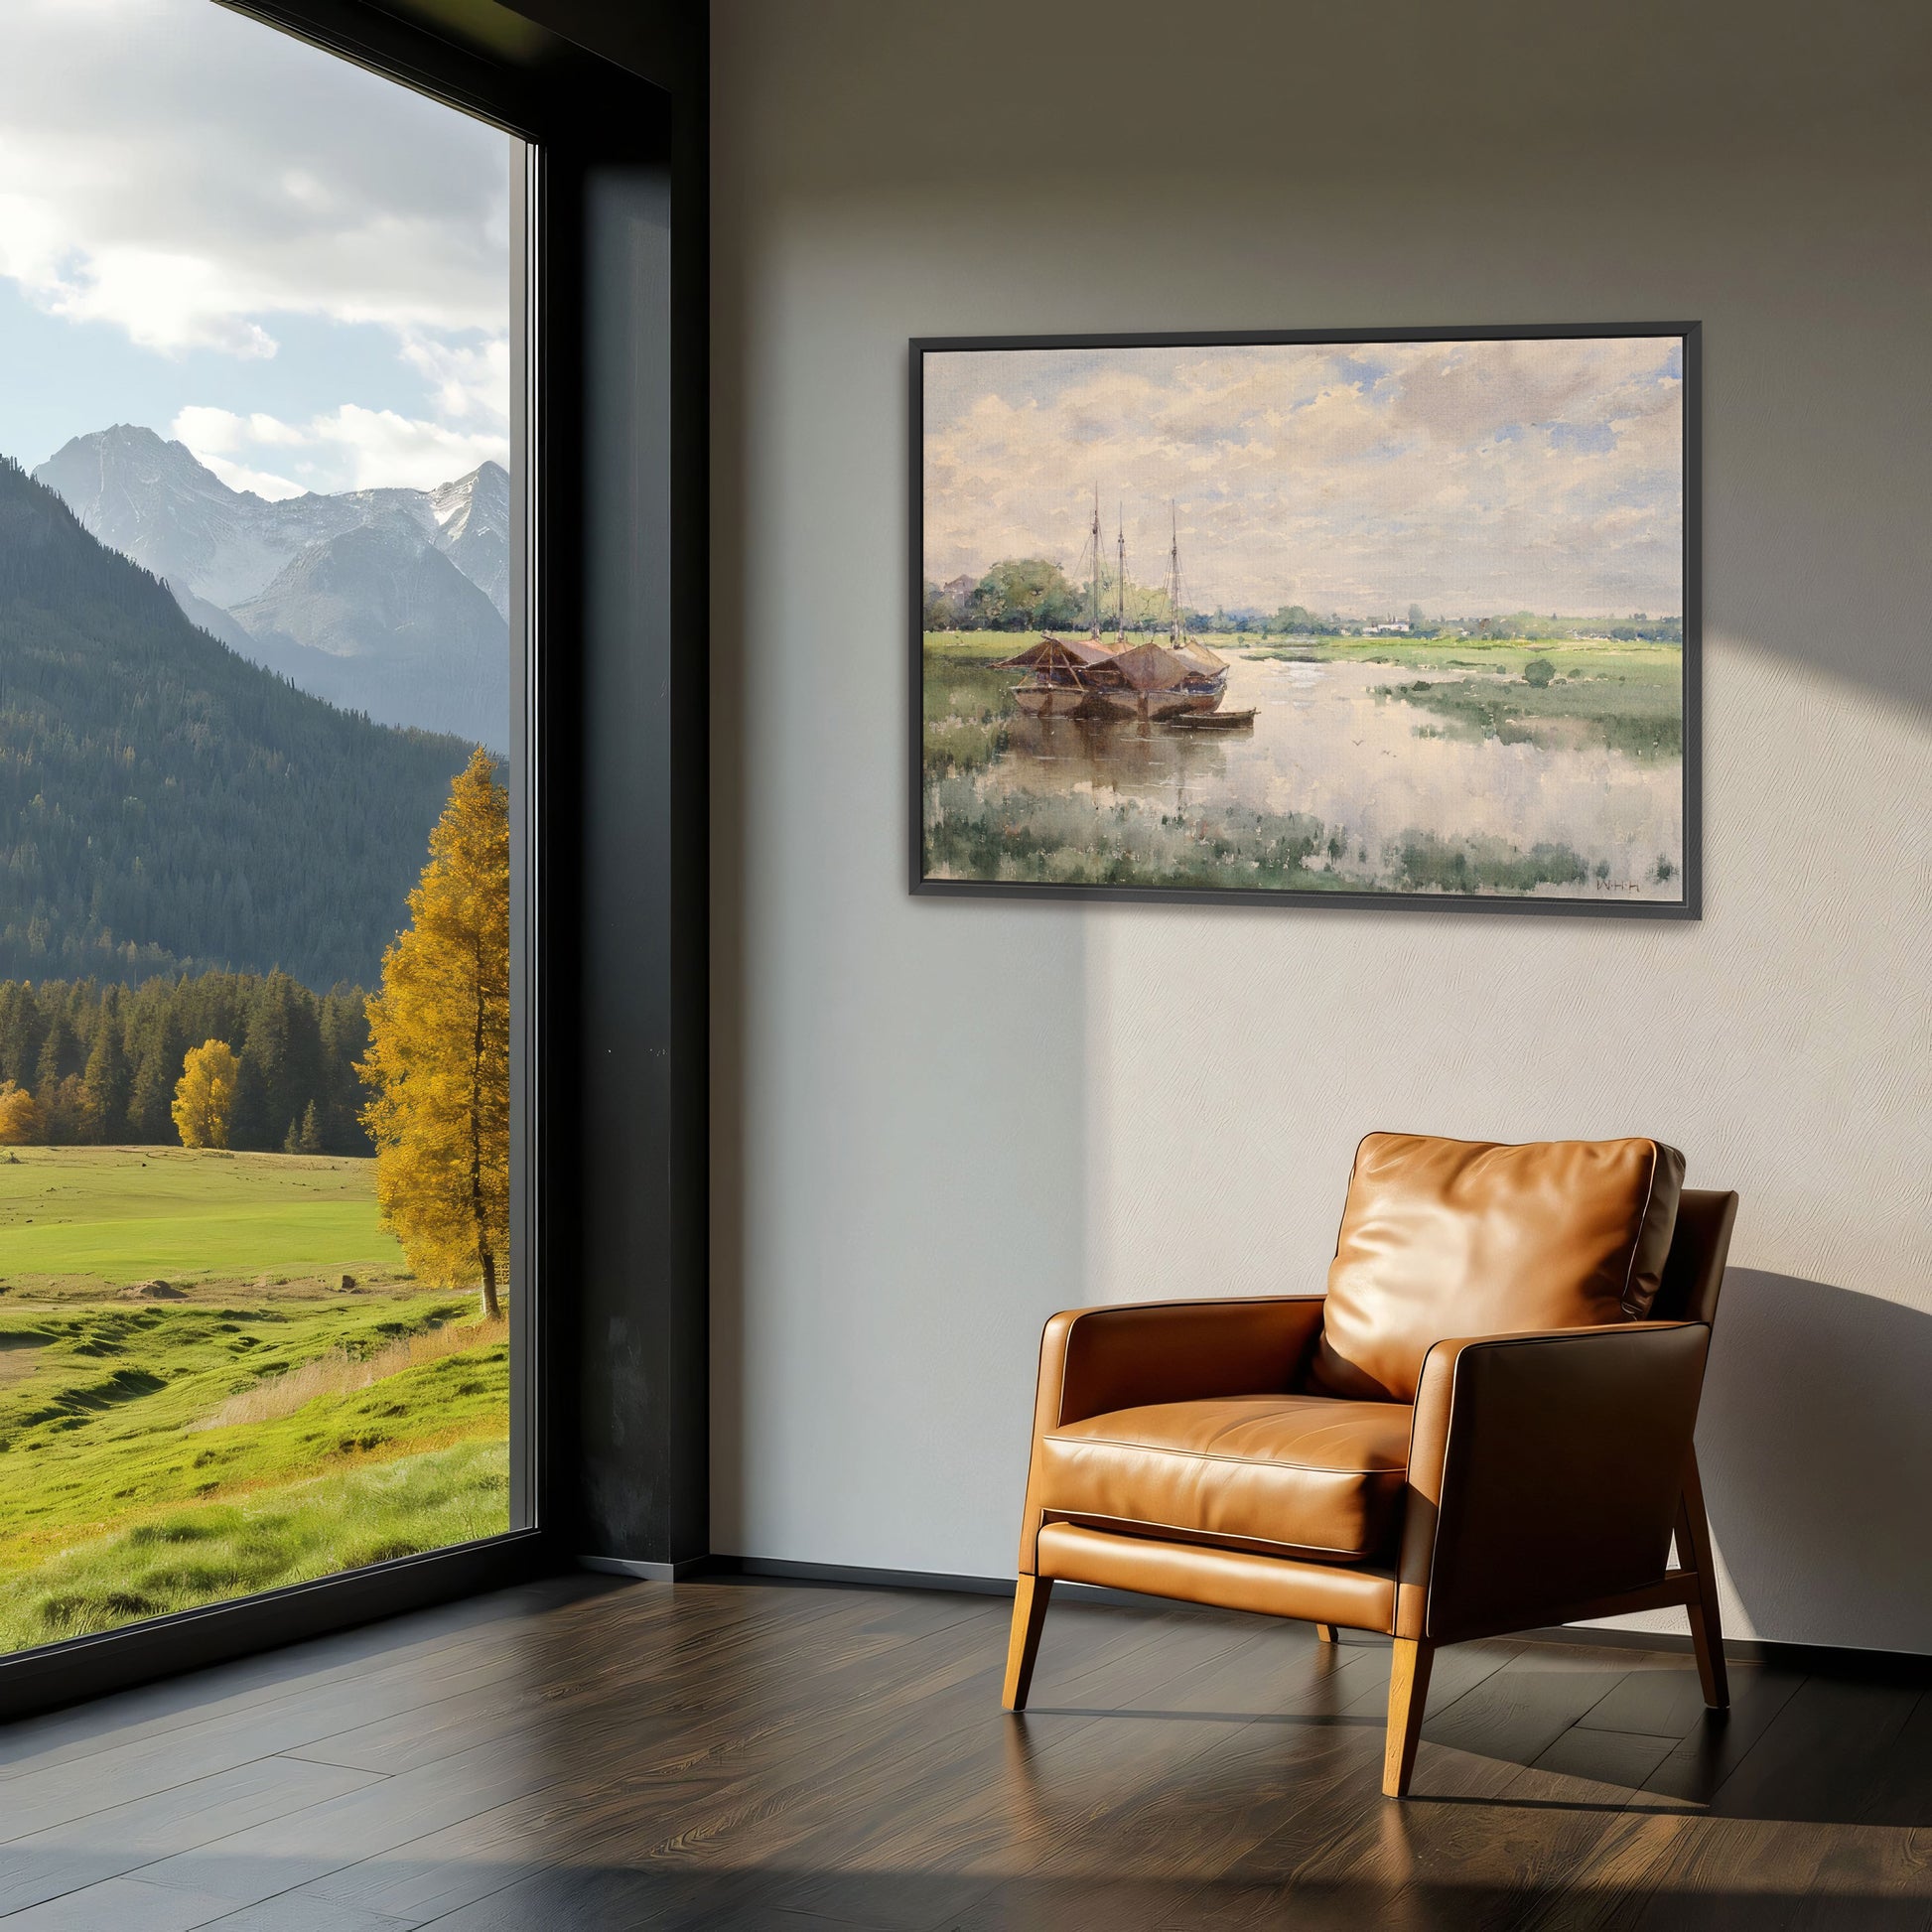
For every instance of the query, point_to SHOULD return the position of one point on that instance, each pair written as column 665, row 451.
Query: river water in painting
column 1370, row 772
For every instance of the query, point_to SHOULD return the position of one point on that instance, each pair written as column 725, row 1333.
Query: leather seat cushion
column 1444, row 1239
column 1290, row 1473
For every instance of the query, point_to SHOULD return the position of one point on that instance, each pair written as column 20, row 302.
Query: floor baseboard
column 650, row 1572
column 783, row 1570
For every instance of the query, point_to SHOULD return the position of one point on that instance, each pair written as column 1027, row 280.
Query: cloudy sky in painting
column 295, row 267
column 1469, row 478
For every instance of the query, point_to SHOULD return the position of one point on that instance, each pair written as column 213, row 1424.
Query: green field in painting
column 1563, row 693
column 1628, row 696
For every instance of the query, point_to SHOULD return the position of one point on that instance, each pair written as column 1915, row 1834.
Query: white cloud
column 218, row 436
column 385, row 448
column 202, row 183
column 262, row 482
column 167, row 301
column 302, row 185
column 1468, row 477
column 467, row 379
column 346, row 448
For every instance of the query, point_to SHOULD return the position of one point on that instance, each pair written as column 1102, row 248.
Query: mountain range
column 391, row 602
column 166, row 807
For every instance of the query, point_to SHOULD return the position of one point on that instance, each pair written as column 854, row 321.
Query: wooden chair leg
column 1408, row 1693
column 1694, row 1552
column 1022, row 1644
column 1325, row 1633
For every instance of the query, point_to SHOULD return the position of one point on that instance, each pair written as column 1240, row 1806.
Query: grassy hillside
column 329, row 1523
column 267, row 1426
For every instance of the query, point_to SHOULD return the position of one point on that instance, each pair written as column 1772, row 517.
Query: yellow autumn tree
column 205, row 1094
column 19, row 1116
column 439, row 1059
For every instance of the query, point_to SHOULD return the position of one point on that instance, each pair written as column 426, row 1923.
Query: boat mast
column 1173, row 575
column 1119, row 578
column 1094, row 539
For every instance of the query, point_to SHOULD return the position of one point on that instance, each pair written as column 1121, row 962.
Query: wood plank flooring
column 588, row 1754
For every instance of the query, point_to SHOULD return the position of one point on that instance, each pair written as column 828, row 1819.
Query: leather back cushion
column 1452, row 1238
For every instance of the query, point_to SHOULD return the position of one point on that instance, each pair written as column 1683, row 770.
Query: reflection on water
column 1323, row 745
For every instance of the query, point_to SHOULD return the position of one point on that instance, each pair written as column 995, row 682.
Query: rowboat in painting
column 1214, row 720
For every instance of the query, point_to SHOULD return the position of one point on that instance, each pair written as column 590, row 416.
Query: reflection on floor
column 584, row 1753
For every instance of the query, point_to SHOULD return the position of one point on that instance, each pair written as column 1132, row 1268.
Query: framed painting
column 1375, row 618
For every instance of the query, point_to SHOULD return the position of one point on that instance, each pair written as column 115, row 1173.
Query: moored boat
column 1060, row 673
column 1152, row 681
column 1063, row 672
column 1160, row 682
column 1091, row 678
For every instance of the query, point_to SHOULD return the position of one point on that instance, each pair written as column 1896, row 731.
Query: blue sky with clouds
column 299, row 269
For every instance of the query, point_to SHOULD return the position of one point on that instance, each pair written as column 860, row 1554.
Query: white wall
column 936, row 1122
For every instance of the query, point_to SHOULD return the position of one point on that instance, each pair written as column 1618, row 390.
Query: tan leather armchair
column 1483, row 1425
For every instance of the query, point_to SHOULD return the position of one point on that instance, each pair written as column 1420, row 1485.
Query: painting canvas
column 1367, row 620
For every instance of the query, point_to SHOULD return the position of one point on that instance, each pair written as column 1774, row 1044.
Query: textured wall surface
column 937, row 1122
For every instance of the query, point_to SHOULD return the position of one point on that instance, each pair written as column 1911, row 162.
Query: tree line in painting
column 1034, row 594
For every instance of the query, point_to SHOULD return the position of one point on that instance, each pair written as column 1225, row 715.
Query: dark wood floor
column 582, row 1754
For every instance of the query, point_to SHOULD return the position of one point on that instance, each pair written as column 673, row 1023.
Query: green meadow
column 96, row 1216
column 216, row 1376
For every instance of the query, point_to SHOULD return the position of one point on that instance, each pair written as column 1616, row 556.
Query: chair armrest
column 1093, row 1361
column 1544, row 1472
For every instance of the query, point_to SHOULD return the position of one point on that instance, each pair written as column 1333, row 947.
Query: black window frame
column 609, row 1042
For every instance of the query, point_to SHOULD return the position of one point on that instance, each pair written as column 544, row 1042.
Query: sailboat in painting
column 1060, row 672
column 1096, row 679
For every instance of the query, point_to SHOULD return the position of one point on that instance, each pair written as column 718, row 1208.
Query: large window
column 260, row 638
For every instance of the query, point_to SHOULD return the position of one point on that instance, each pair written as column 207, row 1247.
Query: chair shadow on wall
column 1815, row 1439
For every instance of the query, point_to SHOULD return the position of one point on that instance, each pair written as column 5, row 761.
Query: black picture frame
column 1689, row 906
